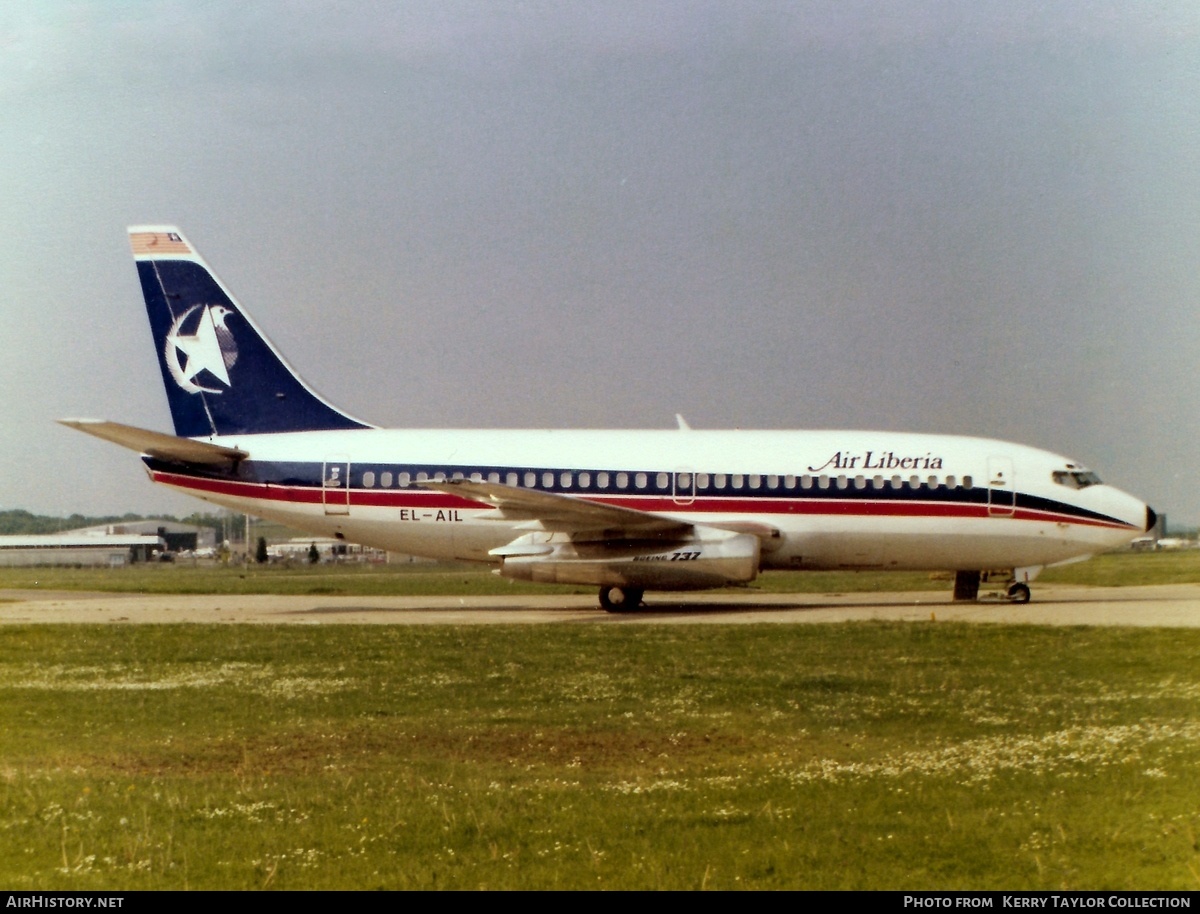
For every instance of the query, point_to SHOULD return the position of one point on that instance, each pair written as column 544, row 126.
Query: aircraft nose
column 1151, row 519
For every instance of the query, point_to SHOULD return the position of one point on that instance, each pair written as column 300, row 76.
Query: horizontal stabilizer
column 156, row 444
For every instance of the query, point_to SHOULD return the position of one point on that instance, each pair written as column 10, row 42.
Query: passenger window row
column 661, row 482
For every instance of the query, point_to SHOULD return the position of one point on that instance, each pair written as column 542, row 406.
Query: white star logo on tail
column 209, row 346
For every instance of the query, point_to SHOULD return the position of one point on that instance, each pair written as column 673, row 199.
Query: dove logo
column 200, row 350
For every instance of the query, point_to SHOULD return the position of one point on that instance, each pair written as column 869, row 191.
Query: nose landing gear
column 1018, row 592
column 967, row 584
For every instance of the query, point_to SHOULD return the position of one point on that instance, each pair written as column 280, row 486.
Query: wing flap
column 157, row 444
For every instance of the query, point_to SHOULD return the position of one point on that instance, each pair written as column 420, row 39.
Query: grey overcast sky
column 969, row 217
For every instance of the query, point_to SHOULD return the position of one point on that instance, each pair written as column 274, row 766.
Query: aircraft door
column 683, row 487
column 335, row 485
column 1002, row 493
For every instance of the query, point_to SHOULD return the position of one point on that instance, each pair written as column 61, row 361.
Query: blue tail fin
column 223, row 376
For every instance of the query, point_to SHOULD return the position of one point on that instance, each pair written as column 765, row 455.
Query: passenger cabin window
column 602, row 480
column 385, row 480
column 622, row 480
column 661, row 480
column 789, row 481
column 701, row 480
column 565, row 480
column 860, row 482
column 719, row 481
column 968, row 482
column 547, row 480
column 493, row 478
column 585, row 480
column 530, row 479
column 403, row 480
column 640, row 480
column 369, row 479
column 738, row 480
column 511, row 479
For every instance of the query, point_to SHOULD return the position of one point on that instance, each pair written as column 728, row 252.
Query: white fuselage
column 830, row 499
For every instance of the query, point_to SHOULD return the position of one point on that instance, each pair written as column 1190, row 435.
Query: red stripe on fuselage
column 825, row 507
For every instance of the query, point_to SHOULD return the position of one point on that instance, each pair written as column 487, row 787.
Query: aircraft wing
column 565, row 513
column 157, row 444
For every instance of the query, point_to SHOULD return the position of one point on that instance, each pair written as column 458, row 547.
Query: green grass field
column 899, row 756
column 856, row 755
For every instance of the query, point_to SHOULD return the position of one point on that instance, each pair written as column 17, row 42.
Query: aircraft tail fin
column 222, row 375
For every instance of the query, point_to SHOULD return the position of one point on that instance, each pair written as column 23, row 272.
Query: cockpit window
column 1076, row 479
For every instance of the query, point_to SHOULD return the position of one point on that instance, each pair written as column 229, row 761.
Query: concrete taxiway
column 1174, row 605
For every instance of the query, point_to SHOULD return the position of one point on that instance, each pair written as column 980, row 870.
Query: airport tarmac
column 1171, row 605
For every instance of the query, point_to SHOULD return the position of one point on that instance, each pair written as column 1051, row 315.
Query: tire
column 1019, row 593
column 620, row 599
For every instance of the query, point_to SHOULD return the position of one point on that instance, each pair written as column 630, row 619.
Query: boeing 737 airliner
column 626, row 511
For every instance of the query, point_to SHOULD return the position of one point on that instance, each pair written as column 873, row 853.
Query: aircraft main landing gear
column 620, row 599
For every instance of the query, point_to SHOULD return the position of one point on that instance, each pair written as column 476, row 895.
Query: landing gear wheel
column 620, row 599
column 1019, row 593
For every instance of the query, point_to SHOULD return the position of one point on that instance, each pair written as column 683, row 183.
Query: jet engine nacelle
column 711, row 558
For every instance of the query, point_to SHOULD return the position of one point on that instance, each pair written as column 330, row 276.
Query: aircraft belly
column 437, row 533
column 899, row 544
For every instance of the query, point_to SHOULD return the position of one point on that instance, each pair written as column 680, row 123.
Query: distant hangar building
column 176, row 537
column 107, row 549
column 109, row 545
